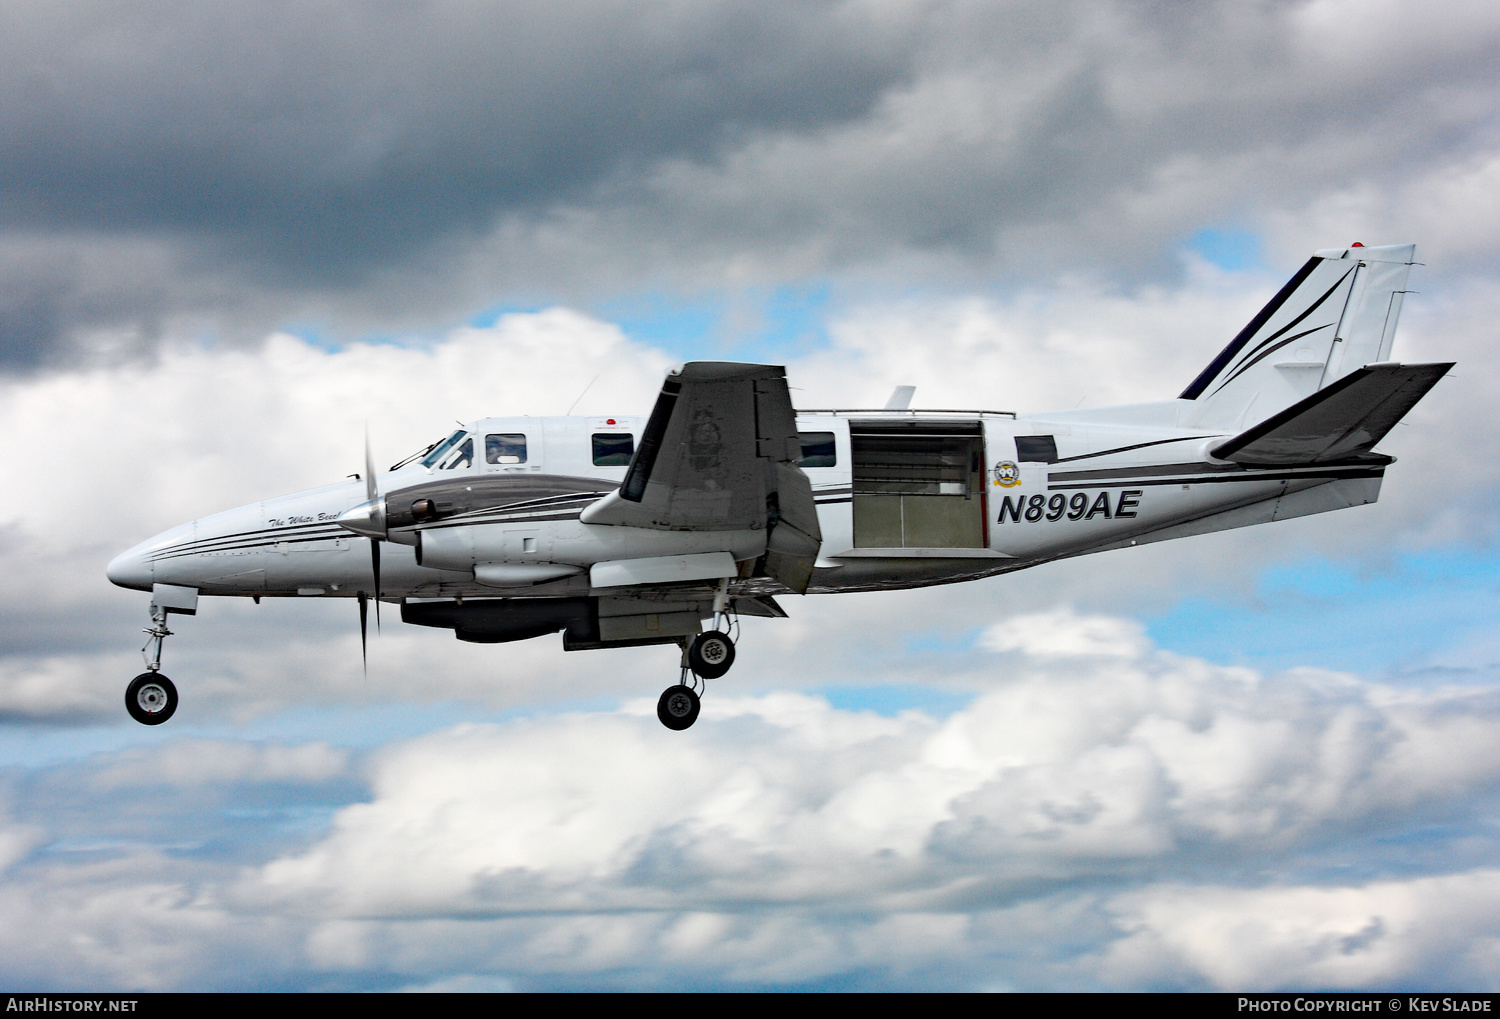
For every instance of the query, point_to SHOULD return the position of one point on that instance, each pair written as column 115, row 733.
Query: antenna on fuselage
column 582, row 395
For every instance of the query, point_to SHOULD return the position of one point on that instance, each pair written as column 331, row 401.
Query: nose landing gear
column 151, row 698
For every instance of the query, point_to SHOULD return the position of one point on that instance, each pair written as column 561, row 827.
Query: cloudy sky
column 233, row 235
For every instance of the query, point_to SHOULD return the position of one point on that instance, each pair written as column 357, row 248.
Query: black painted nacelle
column 501, row 620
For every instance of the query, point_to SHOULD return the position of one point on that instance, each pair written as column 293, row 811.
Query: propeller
column 372, row 493
column 364, row 615
column 368, row 520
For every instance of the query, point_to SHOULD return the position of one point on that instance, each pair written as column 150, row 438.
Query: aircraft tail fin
column 1342, row 420
column 1337, row 314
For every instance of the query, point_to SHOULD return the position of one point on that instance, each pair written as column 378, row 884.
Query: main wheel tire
column 711, row 654
column 151, row 698
column 678, row 707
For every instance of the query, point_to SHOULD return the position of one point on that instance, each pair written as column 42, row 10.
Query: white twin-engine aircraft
column 622, row 531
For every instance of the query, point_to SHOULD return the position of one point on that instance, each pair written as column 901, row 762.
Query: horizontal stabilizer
column 1342, row 420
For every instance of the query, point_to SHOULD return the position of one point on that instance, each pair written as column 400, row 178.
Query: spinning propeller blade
column 375, row 569
column 364, row 619
column 372, row 492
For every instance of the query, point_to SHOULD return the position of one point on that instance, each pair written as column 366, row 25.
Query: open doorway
column 918, row 485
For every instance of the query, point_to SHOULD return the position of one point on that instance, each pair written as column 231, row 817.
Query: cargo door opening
column 918, row 489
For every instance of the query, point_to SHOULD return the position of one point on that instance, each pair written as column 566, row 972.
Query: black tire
column 711, row 654
column 151, row 698
column 678, row 707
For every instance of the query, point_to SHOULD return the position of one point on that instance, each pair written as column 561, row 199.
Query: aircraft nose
column 131, row 568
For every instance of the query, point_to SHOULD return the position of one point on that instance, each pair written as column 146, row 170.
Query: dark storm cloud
column 30, row 319
column 1098, row 130
column 54, row 288
column 327, row 135
column 386, row 168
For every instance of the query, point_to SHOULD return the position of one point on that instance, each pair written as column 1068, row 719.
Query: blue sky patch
column 889, row 700
column 1230, row 250
column 1423, row 615
column 491, row 314
column 756, row 324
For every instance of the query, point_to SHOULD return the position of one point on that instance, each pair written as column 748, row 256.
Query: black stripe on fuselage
column 1186, row 475
column 326, row 526
column 221, row 542
column 1106, row 473
column 540, row 508
column 500, row 518
column 271, row 540
column 540, row 502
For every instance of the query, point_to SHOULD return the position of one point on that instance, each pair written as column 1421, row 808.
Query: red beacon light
column 610, row 421
column 1356, row 244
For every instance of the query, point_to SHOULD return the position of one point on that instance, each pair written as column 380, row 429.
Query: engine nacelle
column 501, row 620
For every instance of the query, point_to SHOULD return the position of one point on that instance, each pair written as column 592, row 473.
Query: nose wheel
column 151, row 698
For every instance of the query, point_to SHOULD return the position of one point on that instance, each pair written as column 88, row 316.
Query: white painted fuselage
column 1116, row 477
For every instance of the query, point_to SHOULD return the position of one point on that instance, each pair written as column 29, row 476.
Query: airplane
column 625, row 531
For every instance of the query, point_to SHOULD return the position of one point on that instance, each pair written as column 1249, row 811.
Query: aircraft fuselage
column 904, row 499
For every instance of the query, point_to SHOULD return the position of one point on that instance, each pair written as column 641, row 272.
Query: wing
column 719, row 453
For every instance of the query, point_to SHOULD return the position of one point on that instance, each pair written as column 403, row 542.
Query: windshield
column 443, row 447
column 461, row 455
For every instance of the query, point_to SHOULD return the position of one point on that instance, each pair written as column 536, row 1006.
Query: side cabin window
column 817, row 450
column 1036, row 449
column 509, row 448
column 613, row 449
column 461, row 455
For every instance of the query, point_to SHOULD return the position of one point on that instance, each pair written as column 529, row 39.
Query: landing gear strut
column 151, row 698
column 707, row 656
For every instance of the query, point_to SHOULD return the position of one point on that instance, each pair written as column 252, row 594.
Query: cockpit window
column 461, row 455
column 441, row 450
column 509, row 448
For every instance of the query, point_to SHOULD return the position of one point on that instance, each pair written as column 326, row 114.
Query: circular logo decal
column 1007, row 474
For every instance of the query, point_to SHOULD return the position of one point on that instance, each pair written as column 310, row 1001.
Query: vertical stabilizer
column 1336, row 315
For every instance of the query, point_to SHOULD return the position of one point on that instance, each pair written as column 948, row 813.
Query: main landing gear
column 707, row 655
column 151, row 698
